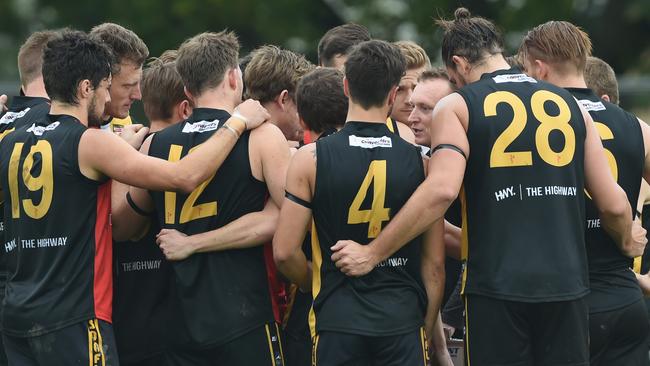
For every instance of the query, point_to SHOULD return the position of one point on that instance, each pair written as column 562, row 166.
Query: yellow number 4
column 377, row 214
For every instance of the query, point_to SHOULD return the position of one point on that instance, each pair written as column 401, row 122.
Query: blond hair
column 415, row 56
column 557, row 42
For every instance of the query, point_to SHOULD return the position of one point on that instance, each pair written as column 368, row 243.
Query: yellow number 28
column 499, row 158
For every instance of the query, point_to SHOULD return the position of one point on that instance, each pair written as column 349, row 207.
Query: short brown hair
column 416, row 57
column 272, row 70
column 30, row 56
column 600, row 78
column 469, row 37
column 320, row 99
column 162, row 87
column 557, row 42
column 204, row 59
column 125, row 44
column 339, row 40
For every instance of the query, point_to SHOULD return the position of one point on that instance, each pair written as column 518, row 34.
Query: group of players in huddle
column 279, row 213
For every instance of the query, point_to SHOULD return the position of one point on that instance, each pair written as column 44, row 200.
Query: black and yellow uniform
column 219, row 299
column 392, row 126
column 141, row 305
column 22, row 111
column 642, row 264
column 364, row 175
column 57, row 223
column 523, row 219
column 615, row 301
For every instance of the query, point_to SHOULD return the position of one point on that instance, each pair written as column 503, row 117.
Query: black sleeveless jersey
column 523, row 222
column 612, row 283
column 364, row 174
column 644, row 266
column 57, row 223
column 141, row 305
column 23, row 111
column 392, row 126
column 218, row 295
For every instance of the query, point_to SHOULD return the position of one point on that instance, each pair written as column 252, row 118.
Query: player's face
column 339, row 61
column 402, row 107
column 425, row 97
column 125, row 89
column 100, row 99
column 290, row 126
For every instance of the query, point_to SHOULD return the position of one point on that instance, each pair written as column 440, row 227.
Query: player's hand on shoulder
column 134, row 134
column 352, row 258
column 173, row 244
column 638, row 240
column 252, row 112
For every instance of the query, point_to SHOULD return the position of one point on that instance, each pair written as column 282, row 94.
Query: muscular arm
column 268, row 150
column 294, row 220
column 247, row 231
column 429, row 202
column 452, row 240
column 433, row 272
column 610, row 199
column 102, row 154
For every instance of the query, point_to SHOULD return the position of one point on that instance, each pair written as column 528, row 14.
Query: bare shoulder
column 266, row 131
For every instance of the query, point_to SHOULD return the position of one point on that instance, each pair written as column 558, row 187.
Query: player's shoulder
column 268, row 134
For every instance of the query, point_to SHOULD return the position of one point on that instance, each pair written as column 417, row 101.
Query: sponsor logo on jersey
column 9, row 117
column 592, row 106
column 513, row 78
column 38, row 130
column 201, row 126
column 370, row 142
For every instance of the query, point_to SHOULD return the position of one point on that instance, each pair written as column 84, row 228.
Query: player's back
column 522, row 192
column 364, row 174
column 57, row 223
column 23, row 111
column 612, row 283
column 223, row 294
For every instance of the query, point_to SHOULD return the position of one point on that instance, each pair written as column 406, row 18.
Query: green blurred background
column 620, row 29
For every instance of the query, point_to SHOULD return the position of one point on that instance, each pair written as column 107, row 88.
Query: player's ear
column 605, row 97
column 282, row 99
column 346, row 87
column 392, row 94
column 188, row 94
column 233, row 77
column 460, row 63
column 84, row 89
column 542, row 69
column 183, row 110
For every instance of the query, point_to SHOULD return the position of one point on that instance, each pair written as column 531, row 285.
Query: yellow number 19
column 43, row 181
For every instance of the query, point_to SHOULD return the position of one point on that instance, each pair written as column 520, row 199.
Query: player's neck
column 35, row 89
column 372, row 115
column 216, row 99
column 78, row 111
column 567, row 81
column 158, row 125
column 489, row 65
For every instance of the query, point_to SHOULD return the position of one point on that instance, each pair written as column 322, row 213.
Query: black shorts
column 158, row 360
column 261, row 346
column 500, row 332
column 91, row 342
column 297, row 350
column 334, row 348
column 620, row 337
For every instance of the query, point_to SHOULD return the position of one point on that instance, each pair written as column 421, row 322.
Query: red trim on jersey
column 277, row 287
column 306, row 137
column 103, row 279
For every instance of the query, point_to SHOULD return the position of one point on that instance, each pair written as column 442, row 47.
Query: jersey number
column 189, row 211
column 605, row 134
column 500, row 158
column 377, row 214
column 43, row 182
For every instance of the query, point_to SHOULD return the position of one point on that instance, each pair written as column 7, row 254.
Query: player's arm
column 295, row 217
column 610, row 199
column 405, row 132
column 644, row 283
column 452, row 240
column 428, row 203
column 131, row 207
column 439, row 345
column 102, row 154
column 250, row 230
column 433, row 272
column 270, row 156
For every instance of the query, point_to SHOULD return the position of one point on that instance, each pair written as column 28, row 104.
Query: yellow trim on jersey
column 423, row 341
column 464, row 247
column 277, row 333
column 314, row 350
column 390, row 124
column 6, row 132
column 637, row 264
column 316, row 263
column 95, row 344
column 268, row 338
column 466, row 333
